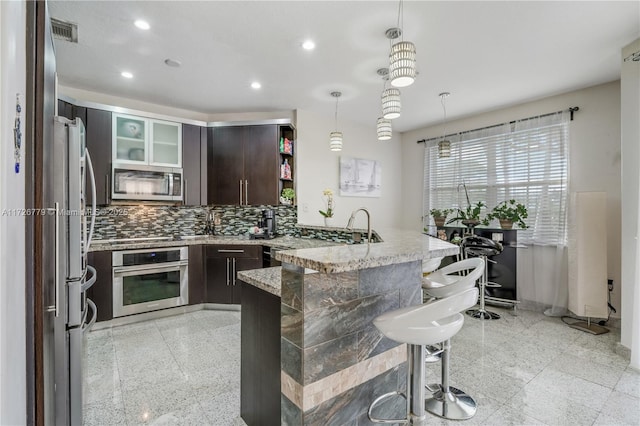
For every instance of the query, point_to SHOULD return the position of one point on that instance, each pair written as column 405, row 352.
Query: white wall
column 12, row 228
column 594, row 153
column 630, row 104
column 317, row 168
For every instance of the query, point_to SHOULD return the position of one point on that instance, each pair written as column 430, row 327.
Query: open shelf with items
column 286, row 150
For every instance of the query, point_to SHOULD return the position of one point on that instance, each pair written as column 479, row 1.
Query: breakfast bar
column 331, row 360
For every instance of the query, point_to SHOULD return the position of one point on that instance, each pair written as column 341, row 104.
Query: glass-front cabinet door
column 166, row 143
column 139, row 140
column 130, row 144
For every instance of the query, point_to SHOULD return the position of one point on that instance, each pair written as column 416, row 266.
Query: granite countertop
column 285, row 242
column 267, row 279
column 398, row 246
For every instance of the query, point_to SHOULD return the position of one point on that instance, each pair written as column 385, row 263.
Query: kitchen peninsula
column 310, row 353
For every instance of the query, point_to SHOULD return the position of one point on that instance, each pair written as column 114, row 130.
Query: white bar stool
column 432, row 353
column 426, row 324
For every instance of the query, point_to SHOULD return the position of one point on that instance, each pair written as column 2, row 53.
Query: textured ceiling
column 488, row 54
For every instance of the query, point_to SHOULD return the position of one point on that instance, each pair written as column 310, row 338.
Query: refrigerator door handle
column 91, row 281
column 94, row 317
column 93, row 201
column 56, row 279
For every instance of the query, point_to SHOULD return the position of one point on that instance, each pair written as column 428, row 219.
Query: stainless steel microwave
column 132, row 182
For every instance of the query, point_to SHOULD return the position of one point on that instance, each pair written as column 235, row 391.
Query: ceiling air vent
column 64, row 30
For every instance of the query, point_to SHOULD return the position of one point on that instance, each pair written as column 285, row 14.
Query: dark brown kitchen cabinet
column 221, row 266
column 97, row 125
column 194, row 152
column 243, row 165
column 101, row 293
column 196, row 275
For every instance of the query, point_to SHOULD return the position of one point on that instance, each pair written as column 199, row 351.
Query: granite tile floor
column 524, row 369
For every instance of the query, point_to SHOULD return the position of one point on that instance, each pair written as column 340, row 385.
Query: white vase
column 328, row 221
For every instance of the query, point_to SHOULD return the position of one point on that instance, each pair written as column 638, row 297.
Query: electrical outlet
column 610, row 285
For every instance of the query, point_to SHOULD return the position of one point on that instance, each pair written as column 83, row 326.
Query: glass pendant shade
column 391, row 103
column 402, row 64
column 444, row 149
column 335, row 141
column 384, row 129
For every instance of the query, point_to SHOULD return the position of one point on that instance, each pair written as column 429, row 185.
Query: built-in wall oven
column 149, row 279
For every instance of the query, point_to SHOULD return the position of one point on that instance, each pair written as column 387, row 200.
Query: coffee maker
column 268, row 220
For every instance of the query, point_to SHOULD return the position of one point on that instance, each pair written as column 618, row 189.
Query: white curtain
column 543, row 278
column 526, row 161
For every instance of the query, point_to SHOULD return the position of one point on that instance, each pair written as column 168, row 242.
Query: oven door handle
column 157, row 267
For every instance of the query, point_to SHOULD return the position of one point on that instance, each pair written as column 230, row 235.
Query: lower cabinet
column 101, row 293
column 221, row 266
column 196, row 275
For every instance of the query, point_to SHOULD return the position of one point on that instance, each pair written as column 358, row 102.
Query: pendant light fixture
column 335, row 137
column 444, row 146
column 390, row 97
column 402, row 58
column 384, row 129
column 383, row 126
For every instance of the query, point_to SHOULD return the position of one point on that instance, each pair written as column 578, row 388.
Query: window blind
column 526, row 161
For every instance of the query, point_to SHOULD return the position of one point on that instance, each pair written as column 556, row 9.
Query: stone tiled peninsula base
column 334, row 361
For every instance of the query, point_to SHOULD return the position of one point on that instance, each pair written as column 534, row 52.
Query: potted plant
column 439, row 216
column 470, row 217
column 287, row 195
column 508, row 213
column 327, row 194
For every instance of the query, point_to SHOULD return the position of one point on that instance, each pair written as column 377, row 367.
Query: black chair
column 475, row 246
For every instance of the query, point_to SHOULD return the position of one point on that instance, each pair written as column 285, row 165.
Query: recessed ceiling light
column 172, row 62
column 143, row 25
column 256, row 85
column 308, row 45
column 126, row 74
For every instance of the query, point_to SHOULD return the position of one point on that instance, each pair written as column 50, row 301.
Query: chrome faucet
column 353, row 216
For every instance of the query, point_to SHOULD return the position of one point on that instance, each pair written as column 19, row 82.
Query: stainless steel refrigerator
column 68, row 234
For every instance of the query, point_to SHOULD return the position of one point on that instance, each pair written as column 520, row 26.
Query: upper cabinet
column 243, row 166
column 194, row 156
column 138, row 140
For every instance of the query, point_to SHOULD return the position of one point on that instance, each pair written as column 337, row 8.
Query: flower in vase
column 327, row 194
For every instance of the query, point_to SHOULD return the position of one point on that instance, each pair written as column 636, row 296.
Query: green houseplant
column 469, row 217
column 508, row 213
column 439, row 216
column 287, row 195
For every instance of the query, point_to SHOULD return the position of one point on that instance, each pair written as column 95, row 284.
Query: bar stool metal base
column 452, row 405
column 433, row 354
column 482, row 314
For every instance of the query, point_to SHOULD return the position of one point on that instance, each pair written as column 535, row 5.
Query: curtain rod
column 571, row 110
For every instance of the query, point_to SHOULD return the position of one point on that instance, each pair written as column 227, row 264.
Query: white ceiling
column 487, row 54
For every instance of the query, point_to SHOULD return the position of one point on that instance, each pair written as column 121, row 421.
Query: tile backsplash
column 158, row 221
column 134, row 221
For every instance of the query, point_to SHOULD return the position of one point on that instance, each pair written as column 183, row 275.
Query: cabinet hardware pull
column 227, row 271
column 234, row 271
column 107, row 184
column 230, row 251
column 246, row 192
column 240, row 191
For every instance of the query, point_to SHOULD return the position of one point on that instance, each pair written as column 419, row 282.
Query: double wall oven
column 149, row 279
